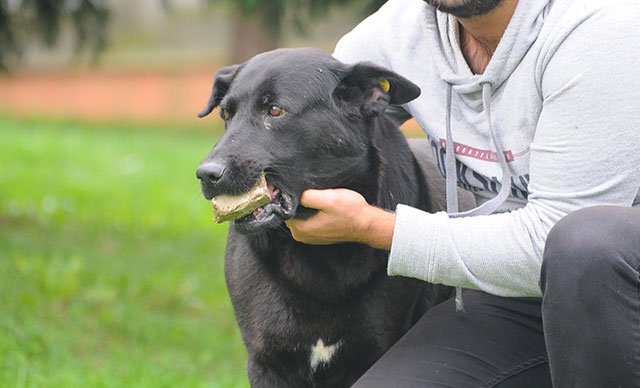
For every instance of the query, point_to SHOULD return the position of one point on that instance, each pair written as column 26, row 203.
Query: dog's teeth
column 273, row 191
column 257, row 211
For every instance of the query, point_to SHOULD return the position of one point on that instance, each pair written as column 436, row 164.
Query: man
column 539, row 101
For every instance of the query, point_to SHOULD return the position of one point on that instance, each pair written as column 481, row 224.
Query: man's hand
column 343, row 216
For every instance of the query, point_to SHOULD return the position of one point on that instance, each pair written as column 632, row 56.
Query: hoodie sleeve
column 585, row 153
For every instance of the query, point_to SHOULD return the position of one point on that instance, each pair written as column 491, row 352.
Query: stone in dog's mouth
column 279, row 209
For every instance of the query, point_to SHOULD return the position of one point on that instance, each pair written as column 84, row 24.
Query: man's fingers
column 315, row 199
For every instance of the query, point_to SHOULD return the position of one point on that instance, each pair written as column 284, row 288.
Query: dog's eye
column 225, row 114
column 275, row 111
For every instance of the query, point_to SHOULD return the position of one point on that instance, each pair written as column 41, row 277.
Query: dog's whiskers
column 284, row 229
column 197, row 193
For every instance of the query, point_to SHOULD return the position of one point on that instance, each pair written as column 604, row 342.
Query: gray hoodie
column 551, row 126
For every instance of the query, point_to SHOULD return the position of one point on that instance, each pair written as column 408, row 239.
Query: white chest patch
column 322, row 354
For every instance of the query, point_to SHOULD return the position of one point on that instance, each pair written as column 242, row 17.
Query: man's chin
column 465, row 8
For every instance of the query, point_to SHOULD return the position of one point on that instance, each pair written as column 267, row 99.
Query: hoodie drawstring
column 451, row 174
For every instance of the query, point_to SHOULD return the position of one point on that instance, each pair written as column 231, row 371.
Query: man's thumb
column 315, row 199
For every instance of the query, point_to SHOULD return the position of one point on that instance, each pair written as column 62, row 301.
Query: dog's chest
column 322, row 354
column 317, row 346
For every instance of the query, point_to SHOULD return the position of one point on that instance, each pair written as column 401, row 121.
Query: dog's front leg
column 260, row 376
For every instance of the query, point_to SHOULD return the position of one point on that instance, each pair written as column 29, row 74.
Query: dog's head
column 301, row 118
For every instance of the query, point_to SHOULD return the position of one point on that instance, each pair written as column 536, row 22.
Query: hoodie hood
column 520, row 34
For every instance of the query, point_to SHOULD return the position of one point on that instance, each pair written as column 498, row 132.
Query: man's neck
column 480, row 35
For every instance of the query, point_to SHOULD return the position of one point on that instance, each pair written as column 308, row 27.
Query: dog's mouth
column 272, row 214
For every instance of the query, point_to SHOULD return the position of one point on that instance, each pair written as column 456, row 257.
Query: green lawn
column 111, row 269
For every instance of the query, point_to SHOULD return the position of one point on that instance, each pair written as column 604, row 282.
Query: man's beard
column 464, row 8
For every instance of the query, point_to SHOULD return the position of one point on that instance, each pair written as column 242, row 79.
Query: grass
column 111, row 269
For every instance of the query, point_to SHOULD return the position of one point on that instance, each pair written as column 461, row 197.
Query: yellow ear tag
column 384, row 85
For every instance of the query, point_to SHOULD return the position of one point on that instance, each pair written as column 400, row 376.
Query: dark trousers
column 584, row 332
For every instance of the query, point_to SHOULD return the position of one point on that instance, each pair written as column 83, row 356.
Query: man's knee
column 583, row 247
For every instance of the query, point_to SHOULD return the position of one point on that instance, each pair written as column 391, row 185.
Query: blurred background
column 111, row 268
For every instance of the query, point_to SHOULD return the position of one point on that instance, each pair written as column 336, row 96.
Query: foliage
column 110, row 266
column 41, row 20
column 25, row 21
column 273, row 12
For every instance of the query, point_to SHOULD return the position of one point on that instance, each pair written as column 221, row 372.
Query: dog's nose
column 210, row 172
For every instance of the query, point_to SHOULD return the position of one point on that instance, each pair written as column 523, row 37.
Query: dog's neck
column 398, row 168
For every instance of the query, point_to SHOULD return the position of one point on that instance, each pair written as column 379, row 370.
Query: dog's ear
column 221, row 83
column 372, row 89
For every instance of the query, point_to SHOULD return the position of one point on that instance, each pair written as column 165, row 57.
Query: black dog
column 313, row 316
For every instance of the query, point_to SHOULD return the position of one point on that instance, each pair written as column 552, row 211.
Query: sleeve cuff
column 414, row 238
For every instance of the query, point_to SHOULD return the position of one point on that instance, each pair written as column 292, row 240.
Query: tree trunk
column 254, row 34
